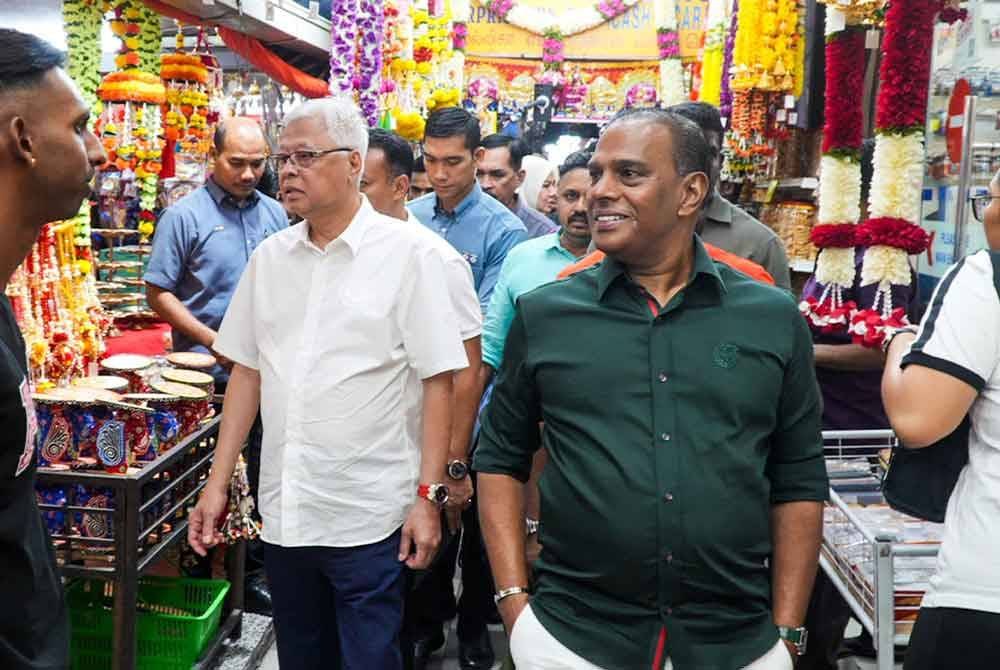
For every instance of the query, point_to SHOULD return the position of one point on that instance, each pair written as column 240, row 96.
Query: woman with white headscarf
column 541, row 179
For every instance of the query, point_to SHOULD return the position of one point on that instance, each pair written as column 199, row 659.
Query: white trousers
column 534, row 648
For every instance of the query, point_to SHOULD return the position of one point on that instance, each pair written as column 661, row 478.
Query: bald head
column 240, row 153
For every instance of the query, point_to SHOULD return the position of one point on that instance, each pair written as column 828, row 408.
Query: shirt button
column 665, row 437
column 668, row 497
column 670, row 611
column 663, row 377
column 669, row 557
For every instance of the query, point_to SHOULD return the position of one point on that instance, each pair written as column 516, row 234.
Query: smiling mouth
column 609, row 221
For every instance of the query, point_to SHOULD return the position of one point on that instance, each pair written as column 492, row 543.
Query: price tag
column 789, row 101
column 793, row 118
column 781, row 116
column 836, row 21
column 872, row 39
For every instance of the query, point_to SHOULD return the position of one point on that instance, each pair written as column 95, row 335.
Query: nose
column 605, row 188
column 96, row 155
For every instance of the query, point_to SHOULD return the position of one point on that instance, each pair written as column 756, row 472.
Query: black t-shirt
column 34, row 630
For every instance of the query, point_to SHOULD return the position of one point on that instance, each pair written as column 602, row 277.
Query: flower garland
column 767, row 52
column 840, row 177
column 553, row 53
column 673, row 84
column 725, row 91
column 368, row 82
column 573, row 22
column 343, row 53
column 150, row 37
column 892, row 232
column 712, row 60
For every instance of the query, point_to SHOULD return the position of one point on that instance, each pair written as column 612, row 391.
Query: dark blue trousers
column 337, row 607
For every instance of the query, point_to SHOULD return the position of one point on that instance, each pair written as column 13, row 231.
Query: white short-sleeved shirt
column 461, row 285
column 337, row 335
column 960, row 336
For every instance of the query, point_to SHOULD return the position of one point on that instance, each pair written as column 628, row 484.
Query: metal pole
column 964, row 178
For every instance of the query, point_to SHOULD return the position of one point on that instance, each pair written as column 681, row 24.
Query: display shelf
column 146, row 515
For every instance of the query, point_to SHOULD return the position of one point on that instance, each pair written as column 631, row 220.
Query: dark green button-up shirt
column 669, row 439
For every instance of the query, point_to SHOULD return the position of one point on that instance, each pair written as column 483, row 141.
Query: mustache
column 578, row 217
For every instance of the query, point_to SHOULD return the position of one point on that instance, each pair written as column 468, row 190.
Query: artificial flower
column 833, row 235
column 904, row 74
column 898, row 174
column 839, row 190
column 895, row 233
column 845, row 73
column 835, row 266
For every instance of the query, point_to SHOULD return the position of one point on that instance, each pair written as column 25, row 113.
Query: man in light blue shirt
column 500, row 174
column 203, row 241
column 538, row 261
column 478, row 226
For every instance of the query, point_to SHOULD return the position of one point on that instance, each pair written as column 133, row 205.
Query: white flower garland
column 673, row 87
column 898, row 174
column 839, row 191
column 835, row 267
column 885, row 266
column 536, row 20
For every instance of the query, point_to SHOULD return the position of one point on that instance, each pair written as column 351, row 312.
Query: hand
column 222, row 360
column 421, row 535
column 203, row 522
column 510, row 608
column 459, row 499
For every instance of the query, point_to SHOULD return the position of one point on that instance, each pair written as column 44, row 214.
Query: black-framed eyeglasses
column 304, row 158
column 979, row 205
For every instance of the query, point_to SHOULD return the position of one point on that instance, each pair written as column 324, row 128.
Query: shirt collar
column 222, row 197
column 611, row 270
column 719, row 209
column 468, row 201
column 352, row 236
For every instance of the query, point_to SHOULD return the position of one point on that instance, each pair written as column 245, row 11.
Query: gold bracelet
column 504, row 593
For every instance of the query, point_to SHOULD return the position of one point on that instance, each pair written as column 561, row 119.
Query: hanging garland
column 840, row 177
column 725, row 91
column 553, row 53
column 573, row 22
column 711, row 69
column 673, row 84
column 767, row 54
column 369, row 79
column 343, row 55
column 892, row 233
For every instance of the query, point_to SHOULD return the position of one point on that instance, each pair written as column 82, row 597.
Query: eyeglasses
column 979, row 205
column 305, row 158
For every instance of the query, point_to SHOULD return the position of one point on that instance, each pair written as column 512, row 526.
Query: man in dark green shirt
column 682, row 500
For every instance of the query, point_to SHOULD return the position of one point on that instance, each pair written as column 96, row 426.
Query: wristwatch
column 458, row 470
column 436, row 493
column 797, row 636
column 530, row 526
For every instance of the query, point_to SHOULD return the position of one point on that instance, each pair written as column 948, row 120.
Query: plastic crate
column 163, row 641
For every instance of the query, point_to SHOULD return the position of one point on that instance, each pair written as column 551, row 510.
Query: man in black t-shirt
column 47, row 160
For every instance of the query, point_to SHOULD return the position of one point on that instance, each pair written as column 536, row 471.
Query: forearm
column 437, row 423
column 239, row 409
column 852, row 357
column 173, row 311
column 466, row 395
column 501, row 500
column 796, row 533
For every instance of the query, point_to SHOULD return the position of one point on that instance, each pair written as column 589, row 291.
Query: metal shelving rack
column 149, row 515
column 871, row 597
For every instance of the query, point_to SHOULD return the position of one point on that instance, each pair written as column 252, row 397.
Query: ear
column 401, row 187
column 357, row 164
column 21, row 143
column 694, row 190
column 519, row 177
column 478, row 154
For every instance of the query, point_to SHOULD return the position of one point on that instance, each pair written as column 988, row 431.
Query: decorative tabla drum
column 194, row 378
column 99, row 522
column 133, row 367
column 160, row 427
column 194, row 404
column 93, row 415
column 191, row 360
column 105, row 382
column 57, row 444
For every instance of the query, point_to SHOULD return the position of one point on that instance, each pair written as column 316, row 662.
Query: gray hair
column 340, row 117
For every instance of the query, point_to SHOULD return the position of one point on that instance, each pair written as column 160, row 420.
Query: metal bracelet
column 505, row 593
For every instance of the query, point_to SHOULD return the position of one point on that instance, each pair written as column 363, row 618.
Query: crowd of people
column 585, row 384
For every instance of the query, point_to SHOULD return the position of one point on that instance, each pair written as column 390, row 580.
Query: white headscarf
column 536, row 171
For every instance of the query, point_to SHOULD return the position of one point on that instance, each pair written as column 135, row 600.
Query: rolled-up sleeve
column 510, row 433
column 427, row 319
column 168, row 257
column 498, row 319
column 795, row 465
column 237, row 339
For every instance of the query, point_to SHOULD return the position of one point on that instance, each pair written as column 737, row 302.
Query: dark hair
column 397, row 151
column 691, row 152
column 578, row 160
column 705, row 115
column 25, row 59
column 418, row 164
column 453, row 122
column 219, row 138
column 516, row 147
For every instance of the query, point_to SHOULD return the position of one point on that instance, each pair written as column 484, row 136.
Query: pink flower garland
column 668, row 42
column 501, row 7
column 610, row 9
column 459, row 36
column 553, row 53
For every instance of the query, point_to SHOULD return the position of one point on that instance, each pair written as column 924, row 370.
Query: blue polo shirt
column 201, row 246
column 481, row 229
column 528, row 266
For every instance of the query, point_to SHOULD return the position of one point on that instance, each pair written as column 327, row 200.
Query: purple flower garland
column 343, row 53
column 369, row 79
column 726, row 93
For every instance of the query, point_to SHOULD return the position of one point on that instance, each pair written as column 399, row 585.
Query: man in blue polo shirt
column 478, row 226
column 205, row 239
column 483, row 230
column 201, row 246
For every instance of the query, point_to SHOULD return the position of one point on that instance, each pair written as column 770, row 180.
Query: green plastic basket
column 163, row 641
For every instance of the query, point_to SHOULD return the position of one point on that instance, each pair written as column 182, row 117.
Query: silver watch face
column 457, row 470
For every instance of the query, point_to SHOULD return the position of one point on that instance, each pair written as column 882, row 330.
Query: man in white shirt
column 331, row 325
